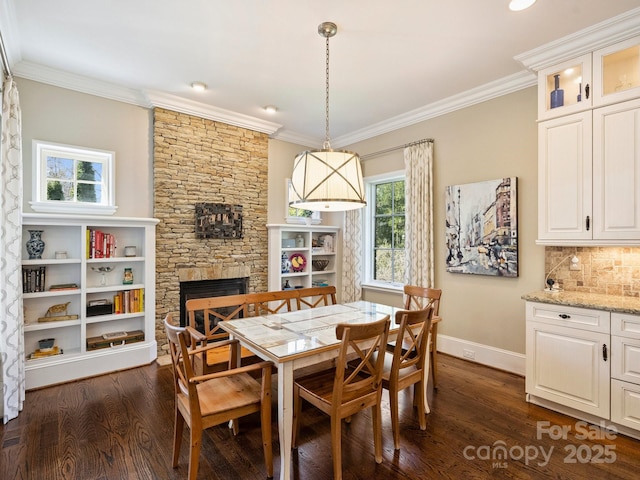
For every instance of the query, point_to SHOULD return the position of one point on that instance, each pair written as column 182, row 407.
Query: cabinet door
column 625, row 404
column 616, row 72
column 564, row 178
column 616, row 171
column 567, row 366
column 573, row 79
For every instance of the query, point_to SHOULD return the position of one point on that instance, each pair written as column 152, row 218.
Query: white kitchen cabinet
column 565, row 178
column 73, row 278
column 625, row 370
column 605, row 76
column 588, row 149
column 309, row 242
column 568, row 357
column 616, row 172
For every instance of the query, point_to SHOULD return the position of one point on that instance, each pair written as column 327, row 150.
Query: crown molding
column 190, row 107
column 584, row 41
column 79, row 83
column 488, row 91
column 146, row 99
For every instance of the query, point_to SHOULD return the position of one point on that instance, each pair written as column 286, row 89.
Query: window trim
column 367, row 228
column 40, row 151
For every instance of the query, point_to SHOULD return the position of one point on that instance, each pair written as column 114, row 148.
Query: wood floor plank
column 120, row 426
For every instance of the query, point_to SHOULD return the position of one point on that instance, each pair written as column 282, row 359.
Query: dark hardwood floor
column 119, row 426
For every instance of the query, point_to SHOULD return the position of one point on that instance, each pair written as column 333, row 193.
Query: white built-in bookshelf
column 101, row 309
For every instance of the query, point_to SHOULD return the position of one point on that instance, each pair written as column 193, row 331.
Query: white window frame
column 368, row 232
column 315, row 217
column 42, row 150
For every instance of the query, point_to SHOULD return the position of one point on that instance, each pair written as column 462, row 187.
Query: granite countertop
column 596, row 301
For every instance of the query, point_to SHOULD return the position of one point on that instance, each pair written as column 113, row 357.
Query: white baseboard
column 476, row 352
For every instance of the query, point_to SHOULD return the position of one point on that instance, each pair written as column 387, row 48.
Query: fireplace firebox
column 209, row 288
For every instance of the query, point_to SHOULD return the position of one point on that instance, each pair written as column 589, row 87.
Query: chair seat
column 386, row 372
column 320, row 386
column 237, row 391
column 221, row 355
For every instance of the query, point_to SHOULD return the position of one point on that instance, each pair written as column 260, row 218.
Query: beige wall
column 63, row 116
column 486, row 141
column 494, row 139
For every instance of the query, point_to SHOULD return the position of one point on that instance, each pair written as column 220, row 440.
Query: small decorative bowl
column 319, row 265
column 46, row 345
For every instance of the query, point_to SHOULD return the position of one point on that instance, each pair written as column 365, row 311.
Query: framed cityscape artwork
column 482, row 228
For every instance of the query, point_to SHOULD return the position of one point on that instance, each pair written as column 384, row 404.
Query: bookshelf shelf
column 96, row 279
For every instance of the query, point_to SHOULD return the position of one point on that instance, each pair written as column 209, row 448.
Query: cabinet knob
column 564, row 316
column 586, row 91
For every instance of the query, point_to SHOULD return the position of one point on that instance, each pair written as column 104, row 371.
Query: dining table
column 299, row 339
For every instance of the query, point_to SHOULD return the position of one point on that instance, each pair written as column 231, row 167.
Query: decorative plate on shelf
column 298, row 262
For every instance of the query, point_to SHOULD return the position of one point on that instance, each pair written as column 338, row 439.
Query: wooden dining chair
column 316, row 296
column 349, row 387
column 204, row 314
column 267, row 303
column 405, row 365
column 419, row 298
column 204, row 401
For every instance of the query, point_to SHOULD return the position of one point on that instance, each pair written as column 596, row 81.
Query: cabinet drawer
column 573, row 317
column 625, row 325
column 625, row 359
column 625, row 404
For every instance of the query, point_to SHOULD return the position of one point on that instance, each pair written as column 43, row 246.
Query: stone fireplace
column 202, row 161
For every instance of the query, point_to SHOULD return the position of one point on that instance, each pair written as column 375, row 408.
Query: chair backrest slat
column 213, row 310
column 316, row 296
column 267, row 303
column 417, row 298
column 364, row 374
column 412, row 340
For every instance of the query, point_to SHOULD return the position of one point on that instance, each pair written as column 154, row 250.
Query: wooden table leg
column 285, row 417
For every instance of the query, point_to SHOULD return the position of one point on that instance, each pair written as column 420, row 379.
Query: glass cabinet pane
column 564, row 87
column 620, row 70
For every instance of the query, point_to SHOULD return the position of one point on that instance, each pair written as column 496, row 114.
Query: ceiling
column 389, row 59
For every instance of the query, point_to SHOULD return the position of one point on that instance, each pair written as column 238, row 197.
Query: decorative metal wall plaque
column 218, row 220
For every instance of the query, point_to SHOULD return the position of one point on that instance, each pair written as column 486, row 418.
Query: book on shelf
column 100, row 244
column 33, row 279
column 129, row 301
column 63, row 286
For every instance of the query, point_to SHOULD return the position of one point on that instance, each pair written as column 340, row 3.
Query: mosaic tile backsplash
column 606, row 270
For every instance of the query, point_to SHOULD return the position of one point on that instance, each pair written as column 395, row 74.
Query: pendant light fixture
column 327, row 180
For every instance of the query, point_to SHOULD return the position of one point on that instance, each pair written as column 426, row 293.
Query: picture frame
column 298, row 215
column 482, row 228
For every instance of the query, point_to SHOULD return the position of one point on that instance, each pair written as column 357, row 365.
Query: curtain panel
column 418, row 161
column 352, row 256
column 12, row 356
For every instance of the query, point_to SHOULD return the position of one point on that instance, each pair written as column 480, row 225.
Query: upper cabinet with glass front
column 616, row 72
column 565, row 88
column 606, row 76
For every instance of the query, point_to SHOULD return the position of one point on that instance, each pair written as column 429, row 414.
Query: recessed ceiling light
column 199, row 86
column 517, row 5
column 271, row 109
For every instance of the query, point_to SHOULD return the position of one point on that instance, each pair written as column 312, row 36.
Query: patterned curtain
column 351, row 256
column 418, row 162
column 11, row 319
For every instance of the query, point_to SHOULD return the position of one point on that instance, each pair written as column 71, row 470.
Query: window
column 299, row 215
column 70, row 179
column 385, row 232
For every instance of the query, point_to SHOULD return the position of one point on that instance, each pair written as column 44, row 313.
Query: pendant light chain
column 327, row 141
